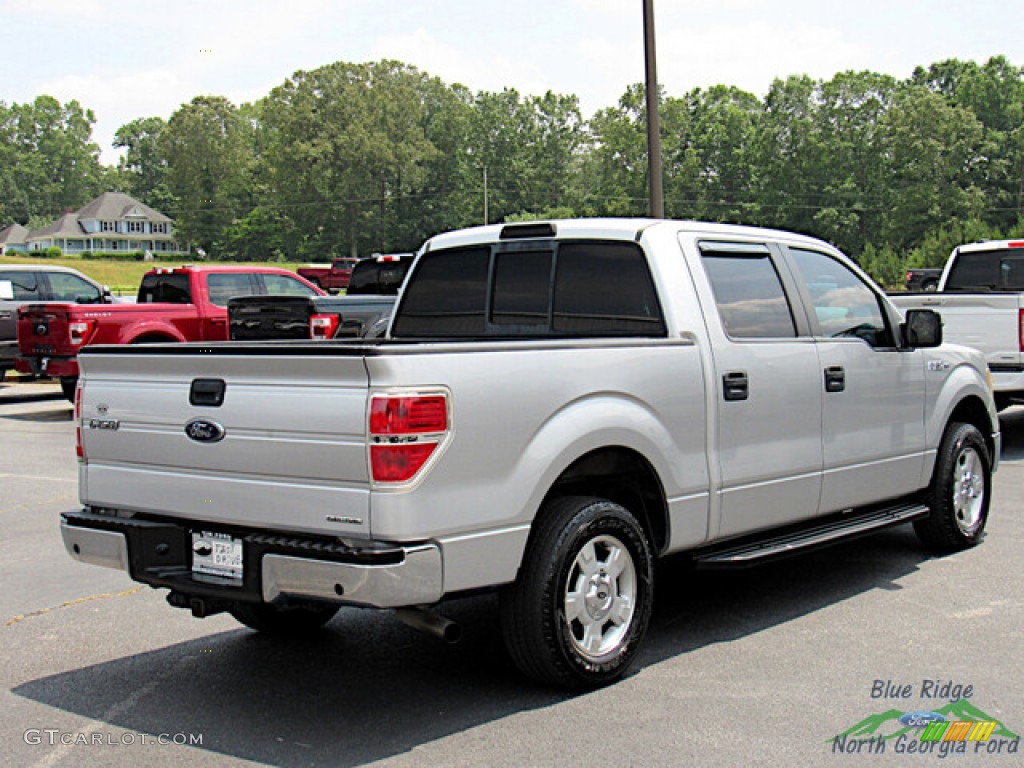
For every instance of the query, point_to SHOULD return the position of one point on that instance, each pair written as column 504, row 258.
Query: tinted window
column 67, row 287
column 223, row 287
column 447, row 296
column 749, row 295
column 283, row 285
column 996, row 270
column 843, row 303
column 378, row 277
column 522, row 288
column 25, row 285
column 605, row 288
column 165, row 288
column 574, row 288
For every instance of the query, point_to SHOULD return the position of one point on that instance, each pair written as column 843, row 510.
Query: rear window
column 996, row 270
column 170, row 288
column 24, row 285
column 371, row 276
column 540, row 289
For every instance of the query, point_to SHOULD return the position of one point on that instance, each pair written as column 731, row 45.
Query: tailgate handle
column 209, row 392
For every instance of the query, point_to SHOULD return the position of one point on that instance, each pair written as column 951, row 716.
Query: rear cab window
column 531, row 289
column 24, row 285
column 165, row 288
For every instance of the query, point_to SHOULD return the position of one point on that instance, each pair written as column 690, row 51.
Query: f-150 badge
column 203, row 431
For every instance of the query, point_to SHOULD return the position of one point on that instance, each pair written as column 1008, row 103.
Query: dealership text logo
column 957, row 727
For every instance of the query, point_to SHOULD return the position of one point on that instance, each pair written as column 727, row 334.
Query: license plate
column 217, row 557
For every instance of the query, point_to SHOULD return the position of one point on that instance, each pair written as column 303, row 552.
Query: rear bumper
column 1008, row 379
column 47, row 366
column 277, row 566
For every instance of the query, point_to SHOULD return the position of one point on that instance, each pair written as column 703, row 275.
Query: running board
column 796, row 540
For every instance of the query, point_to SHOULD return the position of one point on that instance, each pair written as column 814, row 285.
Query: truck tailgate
column 285, row 449
column 989, row 322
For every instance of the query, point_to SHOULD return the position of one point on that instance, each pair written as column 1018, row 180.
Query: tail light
column 1020, row 329
column 79, row 331
column 405, row 431
column 323, row 326
column 79, row 447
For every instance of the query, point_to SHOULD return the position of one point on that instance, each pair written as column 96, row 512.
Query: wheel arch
column 622, row 475
column 972, row 410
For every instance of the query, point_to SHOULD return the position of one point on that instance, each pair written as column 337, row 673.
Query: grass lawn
column 123, row 277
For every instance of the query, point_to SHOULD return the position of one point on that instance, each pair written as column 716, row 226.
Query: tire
column 577, row 614
column 67, row 386
column 960, row 492
column 289, row 620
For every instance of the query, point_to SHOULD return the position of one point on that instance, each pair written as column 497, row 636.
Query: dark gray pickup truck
column 363, row 312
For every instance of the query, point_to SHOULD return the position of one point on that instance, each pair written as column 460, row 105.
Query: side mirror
column 107, row 296
column 922, row 329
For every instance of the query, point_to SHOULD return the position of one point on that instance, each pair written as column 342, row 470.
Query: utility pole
column 486, row 217
column 656, row 195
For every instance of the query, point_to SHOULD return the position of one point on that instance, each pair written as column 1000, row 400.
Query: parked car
column 174, row 304
column 555, row 406
column 24, row 283
column 923, row 279
column 981, row 299
column 333, row 278
column 363, row 312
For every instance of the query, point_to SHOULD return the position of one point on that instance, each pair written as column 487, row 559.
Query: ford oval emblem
column 204, row 431
column 921, row 718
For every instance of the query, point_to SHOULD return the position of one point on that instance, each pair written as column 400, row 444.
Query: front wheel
column 960, row 492
column 578, row 612
column 284, row 619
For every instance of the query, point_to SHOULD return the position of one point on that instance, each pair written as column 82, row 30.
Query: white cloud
column 750, row 56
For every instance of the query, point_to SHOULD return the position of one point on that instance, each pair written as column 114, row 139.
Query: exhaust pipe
column 426, row 620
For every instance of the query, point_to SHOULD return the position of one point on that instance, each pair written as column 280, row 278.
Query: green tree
column 48, row 162
column 143, row 168
column 208, row 146
column 342, row 144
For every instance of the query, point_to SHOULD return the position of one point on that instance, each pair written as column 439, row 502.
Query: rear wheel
column 960, row 492
column 578, row 612
column 283, row 619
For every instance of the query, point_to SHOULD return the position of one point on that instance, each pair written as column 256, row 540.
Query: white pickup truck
column 980, row 299
column 555, row 405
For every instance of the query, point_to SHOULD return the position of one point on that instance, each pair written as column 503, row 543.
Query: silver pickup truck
column 555, row 405
column 980, row 297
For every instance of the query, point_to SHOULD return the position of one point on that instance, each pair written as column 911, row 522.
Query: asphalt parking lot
column 763, row 667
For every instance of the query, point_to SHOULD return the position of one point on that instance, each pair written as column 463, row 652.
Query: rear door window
column 748, row 292
column 283, row 285
column 225, row 286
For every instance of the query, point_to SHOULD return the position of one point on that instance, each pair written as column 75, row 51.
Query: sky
column 126, row 60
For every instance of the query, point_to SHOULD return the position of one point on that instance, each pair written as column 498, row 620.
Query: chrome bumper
column 416, row 578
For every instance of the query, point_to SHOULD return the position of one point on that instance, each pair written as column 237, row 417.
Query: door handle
column 6, row 315
column 735, row 386
column 835, row 378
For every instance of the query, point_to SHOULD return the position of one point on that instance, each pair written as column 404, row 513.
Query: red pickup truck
column 333, row 278
column 174, row 304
